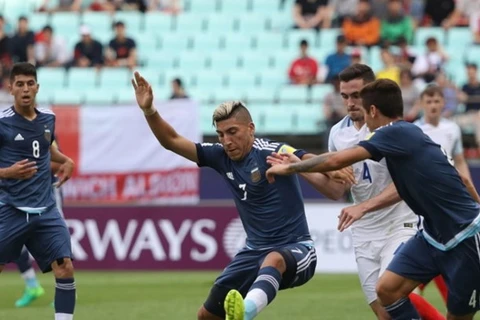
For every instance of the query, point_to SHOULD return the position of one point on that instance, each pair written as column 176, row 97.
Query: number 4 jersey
column 272, row 214
column 372, row 178
column 24, row 139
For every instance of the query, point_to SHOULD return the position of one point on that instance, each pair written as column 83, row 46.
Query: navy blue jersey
column 272, row 214
column 24, row 139
column 426, row 179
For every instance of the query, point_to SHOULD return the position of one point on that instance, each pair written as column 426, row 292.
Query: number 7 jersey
column 372, row 178
column 272, row 214
column 24, row 139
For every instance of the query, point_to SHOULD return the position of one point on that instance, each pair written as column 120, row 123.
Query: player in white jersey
column 378, row 235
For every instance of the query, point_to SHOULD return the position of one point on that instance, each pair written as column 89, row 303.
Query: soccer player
column 33, row 289
column 28, row 213
column 426, row 180
column 279, row 253
column 377, row 236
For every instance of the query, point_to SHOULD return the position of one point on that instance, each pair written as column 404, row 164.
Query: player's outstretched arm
column 322, row 163
column 165, row 134
column 330, row 188
column 386, row 198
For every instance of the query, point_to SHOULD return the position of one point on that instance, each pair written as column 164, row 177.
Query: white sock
column 63, row 316
column 255, row 301
column 29, row 274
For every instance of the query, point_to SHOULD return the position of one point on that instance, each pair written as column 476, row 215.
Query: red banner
column 154, row 238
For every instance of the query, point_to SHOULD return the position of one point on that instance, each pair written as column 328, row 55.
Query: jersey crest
column 255, row 175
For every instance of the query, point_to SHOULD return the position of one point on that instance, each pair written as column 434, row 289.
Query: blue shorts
column 241, row 272
column 46, row 236
column 460, row 267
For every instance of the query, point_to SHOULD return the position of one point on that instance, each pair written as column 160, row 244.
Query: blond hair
column 229, row 109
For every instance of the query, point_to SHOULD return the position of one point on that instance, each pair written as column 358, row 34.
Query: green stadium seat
column 267, row 6
column 190, row 23
column 192, row 60
column 208, row 79
column 280, row 22
column 97, row 21
column 104, row 37
column 328, row 38
column 261, row 95
column 220, row 23
column 206, row 121
column 201, row 95
column 279, row 122
column 223, row 61
column 229, row 94
column 45, row 95
column 233, row 7
column 12, row 10
column 157, row 22
column 283, row 59
column 473, row 54
column 308, row 121
column 38, row 20
column 174, row 43
column 85, row 78
column 203, row 6
column 237, row 42
column 422, row 34
column 51, row 77
column 68, row 96
column 269, row 42
column 294, row 37
column 133, row 20
column 203, row 43
column 252, row 23
column 293, row 94
column 125, row 97
column 375, row 61
column 319, row 92
column 242, row 79
column 459, row 38
column 273, row 78
column 118, row 78
column 320, row 54
column 254, row 61
column 66, row 23
column 156, row 62
column 100, row 97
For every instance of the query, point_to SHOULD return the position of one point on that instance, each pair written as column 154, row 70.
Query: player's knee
column 63, row 268
column 385, row 292
column 276, row 260
column 203, row 314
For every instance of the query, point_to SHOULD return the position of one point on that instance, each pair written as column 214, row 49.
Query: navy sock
column 23, row 262
column 65, row 296
column 403, row 309
column 262, row 292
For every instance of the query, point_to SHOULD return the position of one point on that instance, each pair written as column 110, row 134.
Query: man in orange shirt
column 363, row 29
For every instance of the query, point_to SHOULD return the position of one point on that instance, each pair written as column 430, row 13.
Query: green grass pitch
column 177, row 295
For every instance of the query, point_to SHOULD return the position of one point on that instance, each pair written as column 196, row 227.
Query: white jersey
column 372, row 178
column 447, row 134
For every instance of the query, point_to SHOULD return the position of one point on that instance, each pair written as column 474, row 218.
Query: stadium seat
column 252, row 23
column 293, row 94
column 254, row 61
column 101, row 97
column 201, row 95
column 206, row 121
column 283, row 59
column 174, row 43
column 51, row 77
column 319, row 92
column 294, row 37
column 269, row 42
column 267, row 6
column 422, row 34
column 223, row 61
column 473, row 54
column 38, row 20
column 85, row 78
column 237, row 42
column 328, row 38
column 133, row 21
column 233, row 7
column 229, row 94
column 261, row 95
column 97, row 21
column 459, row 38
column 208, row 79
column 68, row 96
column 307, row 121
column 203, row 43
column 279, row 122
column 273, row 79
column 242, row 79
column 66, row 23
column 220, row 23
column 202, row 6
column 118, row 78
column 189, row 60
column 280, row 22
column 12, row 10
column 157, row 22
column 45, row 96
column 125, row 97
column 190, row 23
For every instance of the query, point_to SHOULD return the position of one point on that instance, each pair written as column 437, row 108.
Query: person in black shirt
column 122, row 50
column 310, row 14
column 21, row 44
column 88, row 52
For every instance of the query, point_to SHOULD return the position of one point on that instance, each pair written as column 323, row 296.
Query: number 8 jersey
column 372, row 178
column 24, row 139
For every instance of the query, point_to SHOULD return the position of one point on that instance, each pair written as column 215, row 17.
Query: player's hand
column 344, row 175
column 349, row 215
column 143, row 92
column 65, row 172
column 278, row 169
column 22, row 170
column 282, row 158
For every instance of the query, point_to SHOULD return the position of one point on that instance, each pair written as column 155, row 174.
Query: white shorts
column 373, row 258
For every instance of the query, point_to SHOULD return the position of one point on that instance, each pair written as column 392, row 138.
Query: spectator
column 406, row 56
column 304, row 69
column 338, row 10
column 103, row 5
column 21, row 44
column 122, row 50
column 469, row 9
column 450, row 94
column 50, row 50
column 88, row 52
column 333, row 107
column 62, row 5
column 339, row 60
column 391, row 70
column 124, row 5
column 178, row 91
column 5, row 97
column 167, row 6
column 410, row 96
column 470, row 96
column 356, row 56
column 363, row 29
column 436, row 11
column 427, row 65
column 396, row 25
column 5, row 57
column 310, row 14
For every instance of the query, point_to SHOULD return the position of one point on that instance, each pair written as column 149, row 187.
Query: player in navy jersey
column 28, row 212
column 279, row 252
column 33, row 289
column 426, row 180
